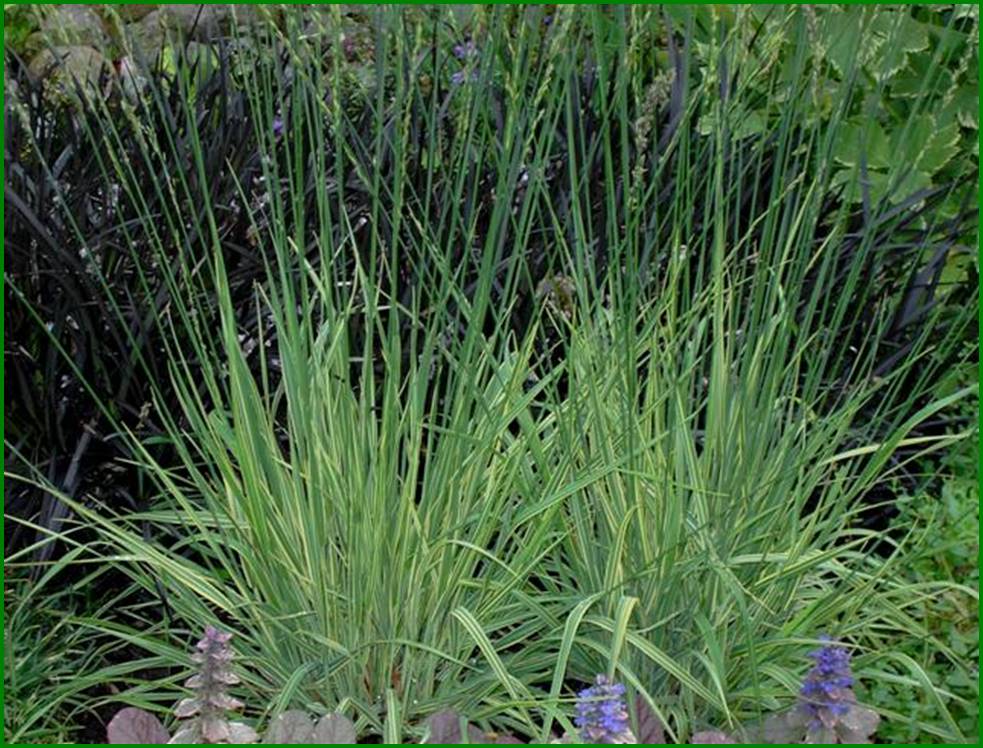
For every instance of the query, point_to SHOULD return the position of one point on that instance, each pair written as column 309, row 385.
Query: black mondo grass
column 449, row 362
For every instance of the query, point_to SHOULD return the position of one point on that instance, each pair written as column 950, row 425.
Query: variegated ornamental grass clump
column 390, row 468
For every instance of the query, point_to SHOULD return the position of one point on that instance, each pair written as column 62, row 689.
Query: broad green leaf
column 947, row 40
column 920, row 77
column 941, row 146
column 929, row 146
column 956, row 268
column 965, row 101
column 911, row 183
column 913, row 136
column 859, row 138
column 849, row 179
column 901, row 35
column 842, row 38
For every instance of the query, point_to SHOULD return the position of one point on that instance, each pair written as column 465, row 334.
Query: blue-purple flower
column 827, row 711
column 602, row 715
column 461, row 76
column 277, row 127
column 826, row 687
column 465, row 50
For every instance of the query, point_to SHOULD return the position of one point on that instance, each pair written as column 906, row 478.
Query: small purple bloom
column 349, row 48
column 465, row 50
column 461, row 77
column 277, row 127
column 601, row 713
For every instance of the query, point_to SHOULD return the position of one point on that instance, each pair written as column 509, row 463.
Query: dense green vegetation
column 940, row 562
column 450, row 360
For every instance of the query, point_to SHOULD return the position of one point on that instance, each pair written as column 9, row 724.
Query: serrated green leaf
column 956, row 269
column 912, row 182
column 941, row 146
column 920, row 77
column 965, row 102
column 900, row 30
column 880, row 185
column 848, row 179
column 901, row 35
column 752, row 124
column 842, row 35
column 742, row 126
column 914, row 136
column 859, row 138
column 947, row 40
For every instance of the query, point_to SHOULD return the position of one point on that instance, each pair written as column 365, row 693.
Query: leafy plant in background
column 914, row 70
column 54, row 667
column 919, row 69
column 938, row 527
column 83, row 296
column 924, row 66
column 19, row 22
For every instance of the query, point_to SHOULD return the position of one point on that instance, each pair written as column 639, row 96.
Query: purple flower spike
column 825, row 693
column 827, row 711
column 205, row 710
column 602, row 715
column 277, row 127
